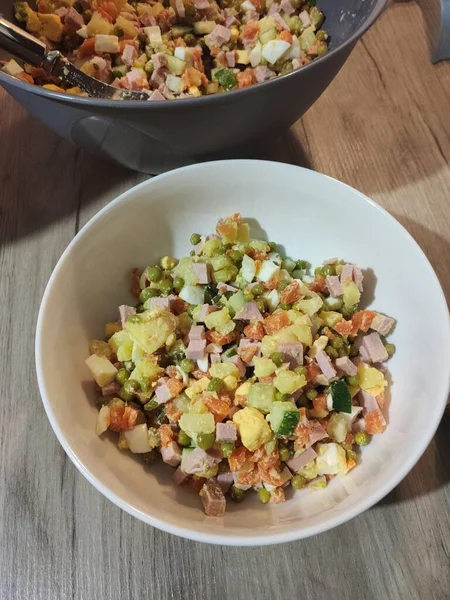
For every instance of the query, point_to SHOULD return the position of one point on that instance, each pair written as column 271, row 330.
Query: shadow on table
column 45, row 179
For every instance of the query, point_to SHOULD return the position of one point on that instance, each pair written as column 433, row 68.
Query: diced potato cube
column 288, row 382
column 103, row 420
column 102, row 369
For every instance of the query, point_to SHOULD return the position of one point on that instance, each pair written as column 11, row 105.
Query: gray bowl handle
column 441, row 49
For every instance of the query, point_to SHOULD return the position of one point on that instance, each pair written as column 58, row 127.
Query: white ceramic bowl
column 314, row 217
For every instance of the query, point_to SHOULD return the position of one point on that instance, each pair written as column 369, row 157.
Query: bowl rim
column 222, row 539
column 187, row 102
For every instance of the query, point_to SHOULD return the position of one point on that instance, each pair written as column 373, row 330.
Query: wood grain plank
column 381, row 127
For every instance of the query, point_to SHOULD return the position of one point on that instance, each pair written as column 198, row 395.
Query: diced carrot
column 380, row 400
column 247, row 353
column 246, row 78
column 362, row 320
column 175, row 386
column 87, row 48
column 108, row 10
column 318, row 285
column 254, row 331
column 219, row 407
column 276, row 321
column 116, row 410
column 351, row 463
column 173, row 372
column 123, row 43
column 269, row 461
column 312, row 371
column 270, row 476
column 320, row 403
column 286, row 36
column 344, row 328
column 252, row 477
column 349, row 439
column 257, row 254
column 327, row 331
column 219, row 338
column 250, row 30
column 238, row 458
column 26, row 77
column 273, row 283
column 173, row 414
column 166, row 433
column 198, row 374
column 375, row 422
column 277, row 496
column 291, row 293
column 129, row 418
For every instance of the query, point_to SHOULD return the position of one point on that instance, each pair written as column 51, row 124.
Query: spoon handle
column 21, row 44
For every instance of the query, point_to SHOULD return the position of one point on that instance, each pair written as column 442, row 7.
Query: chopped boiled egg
column 273, row 50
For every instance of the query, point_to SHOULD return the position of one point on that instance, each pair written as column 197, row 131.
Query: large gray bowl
column 155, row 136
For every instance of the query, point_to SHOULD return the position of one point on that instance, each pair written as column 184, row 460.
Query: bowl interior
column 315, row 218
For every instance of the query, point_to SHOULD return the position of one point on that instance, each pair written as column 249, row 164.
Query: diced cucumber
column 284, row 417
column 261, row 396
column 237, row 301
column 197, row 423
column 342, row 400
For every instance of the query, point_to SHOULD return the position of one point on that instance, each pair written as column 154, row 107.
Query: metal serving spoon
column 25, row 47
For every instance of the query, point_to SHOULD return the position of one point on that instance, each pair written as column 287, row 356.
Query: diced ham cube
column 250, row 312
column 224, row 287
column 345, row 366
column 275, row 7
column 159, row 61
column 373, row 347
column 226, row 433
column 231, row 20
column 382, row 324
column 213, row 500
column 179, row 476
column 129, row 55
column 287, row 7
column 201, row 271
column 359, row 425
column 197, row 332
column 73, row 21
column 262, row 73
column 156, row 96
column 296, row 463
column 162, row 391
column 110, row 389
column 224, row 481
column 196, row 349
column 316, row 433
column 358, row 277
column 201, row 4
column 248, row 349
column 205, row 310
column 347, row 273
column 147, row 20
column 171, row 454
column 293, row 353
column 334, row 286
column 324, row 362
column 179, row 5
column 200, row 461
column 61, row 12
column 126, row 311
column 231, row 59
column 281, row 22
column 367, row 401
column 219, row 35
column 158, row 302
column 305, row 18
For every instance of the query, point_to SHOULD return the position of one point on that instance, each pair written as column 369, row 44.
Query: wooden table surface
column 383, row 126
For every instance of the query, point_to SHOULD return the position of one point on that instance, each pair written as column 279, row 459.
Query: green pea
column 195, row 239
column 260, row 303
column 165, row 286
column 148, row 293
column 236, row 494
column 298, row 482
column 282, row 285
column 390, row 349
column 178, row 284
column 127, row 396
column 344, row 350
column 258, row 289
column 215, row 385
column 311, row 394
column 332, row 353
column 301, row 371
column 205, row 440
column 272, row 246
column 187, row 365
column 353, row 381
column 151, row 405
column 337, row 343
column 122, row 376
column 117, row 30
column 221, row 249
column 183, row 438
column 227, row 448
column 131, row 386
column 286, row 306
column 236, row 255
column 153, row 273
column 284, row 454
column 142, row 38
column 248, row 296
column 318, row 271
column 264, row 495
column 168, row 263
column 362, row 438
column 277, row 358
column 190, row 39
column 354, row 351
column 329, row 270
column 322, row 35
column 302, row 265
column 348, row 311
column 279, row 397
column 190, row 309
